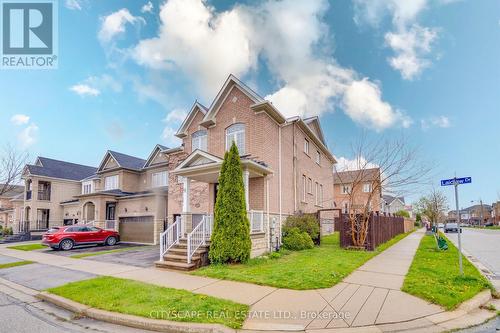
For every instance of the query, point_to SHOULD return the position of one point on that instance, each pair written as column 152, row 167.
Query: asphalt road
column 482, row 244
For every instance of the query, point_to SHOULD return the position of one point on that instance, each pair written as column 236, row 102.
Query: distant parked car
column 488, row 224
column 451, row 227
column 440, row 225
column 66, row 237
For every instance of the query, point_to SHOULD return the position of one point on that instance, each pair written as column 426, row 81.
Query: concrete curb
column 133, row 321
column 466, row 315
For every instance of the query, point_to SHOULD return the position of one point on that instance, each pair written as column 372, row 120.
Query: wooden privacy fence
column 381, row 228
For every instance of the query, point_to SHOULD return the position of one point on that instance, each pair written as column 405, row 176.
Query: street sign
column 463, row 180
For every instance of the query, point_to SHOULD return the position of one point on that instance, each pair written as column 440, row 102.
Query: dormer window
column 236, row 133
column 87, row 187
column 199, row 140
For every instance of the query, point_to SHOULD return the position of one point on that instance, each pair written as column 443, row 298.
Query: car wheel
column 66, row 244
column 110, row 241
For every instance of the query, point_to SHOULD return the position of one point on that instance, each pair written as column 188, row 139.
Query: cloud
column 147, row 8
column 364, row 105
column 27, row 136
column 114, row 24
column 410, row 42
column 439, row 121
column 176, row 115
column 73, row 4
column 20, row 119
column 360, row 163
column 290, row 37
column 410, row 48
column 169, row 138
column 84, row 90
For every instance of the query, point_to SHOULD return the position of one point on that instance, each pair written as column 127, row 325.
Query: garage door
column 137, row 229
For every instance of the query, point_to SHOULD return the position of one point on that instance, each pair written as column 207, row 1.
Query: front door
column 110, row 211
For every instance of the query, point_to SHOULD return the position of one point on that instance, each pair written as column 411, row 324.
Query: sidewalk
column 369, row 296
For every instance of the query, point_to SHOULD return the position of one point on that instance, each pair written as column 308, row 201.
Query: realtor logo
column 28, row 34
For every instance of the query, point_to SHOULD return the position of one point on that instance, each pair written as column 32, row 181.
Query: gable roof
column 230, row 82
column 157, row 149
column 123, row 160
column 11, row 190
column 346, row 177
column 389, row 199
column 197, row 107
column 48, row 167
column 311, row 121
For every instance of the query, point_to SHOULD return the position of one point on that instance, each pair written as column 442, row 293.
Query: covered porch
column 203, row 167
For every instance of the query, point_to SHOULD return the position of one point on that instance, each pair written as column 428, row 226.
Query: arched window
column 236, row 133
column 199, row 140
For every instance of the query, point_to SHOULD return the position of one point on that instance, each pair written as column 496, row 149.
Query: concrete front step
column 180, row 266
column 180, row 257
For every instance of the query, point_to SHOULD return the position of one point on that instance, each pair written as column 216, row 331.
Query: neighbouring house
column 475, row 214
column 495, row 213
column 287, row 167
column 128, row 194
column 355, row 189
column 391, row 204
column 48, row 184
column 8, row 205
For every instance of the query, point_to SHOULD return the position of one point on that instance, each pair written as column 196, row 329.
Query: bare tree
column 12, row 163
column 433, row 206
column 389, row 166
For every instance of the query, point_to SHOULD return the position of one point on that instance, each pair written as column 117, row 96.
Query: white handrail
column 169, row 237
column 198, row 237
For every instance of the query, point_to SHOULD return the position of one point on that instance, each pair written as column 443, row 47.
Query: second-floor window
column 199, row 140
column 43, row 190
column 111, row 182
column 236, row 133
column 160, row 179
column 367, row 187
column 306, row 146
column 87, row 187
column 318, row 157
column 309, row 186
column 346, row 189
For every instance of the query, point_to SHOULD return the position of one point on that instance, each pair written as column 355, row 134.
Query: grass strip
column 27, row 247
column 15, row 264
column 150, row 301
column 434, row 276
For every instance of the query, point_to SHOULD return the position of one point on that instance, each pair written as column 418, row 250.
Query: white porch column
column 246, row 177
column 185, row 195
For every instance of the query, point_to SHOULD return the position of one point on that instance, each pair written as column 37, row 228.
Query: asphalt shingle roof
column 346, row 177
column 389, row 198
column 127, row 161
column 61, row 169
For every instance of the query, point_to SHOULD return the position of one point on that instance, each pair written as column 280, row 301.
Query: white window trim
column 234, row 137
column 316, row 192
column 318, row 157
column 309, row 186
column 321, row 195
column 111, row 185
column 85, row 184
column 163, row 179
column 365, row 186
column 199, row 140
column 343, row 189
column 304, row 188
column 306, row 146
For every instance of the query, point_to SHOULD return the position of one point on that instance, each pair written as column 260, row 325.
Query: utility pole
column 459, row 228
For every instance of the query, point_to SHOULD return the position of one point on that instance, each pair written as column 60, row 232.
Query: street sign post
column 455, row 182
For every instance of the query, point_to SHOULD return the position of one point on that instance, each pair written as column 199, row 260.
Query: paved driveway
column 89, row 249
column 144, row 256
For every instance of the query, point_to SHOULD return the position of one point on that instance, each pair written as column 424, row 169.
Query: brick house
column 9, row 206
column 287, row 167
column 357, row 188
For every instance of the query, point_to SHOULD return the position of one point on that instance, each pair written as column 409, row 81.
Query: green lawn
column 434, row 276
column 150, row 301
column 28, row 247
column 16, row 263
column 97, row 253
column 320, row 267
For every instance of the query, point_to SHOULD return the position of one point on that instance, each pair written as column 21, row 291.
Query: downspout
column 269, row 239
column 294, row 172
column 279, row 182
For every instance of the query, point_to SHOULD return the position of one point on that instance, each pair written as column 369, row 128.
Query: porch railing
column 199, row 236
column 170, row 237
column 110, row 225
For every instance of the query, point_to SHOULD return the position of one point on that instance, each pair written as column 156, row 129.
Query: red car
column 66, row 237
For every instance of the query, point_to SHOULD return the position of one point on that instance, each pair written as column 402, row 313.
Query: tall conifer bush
column 230, row 240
